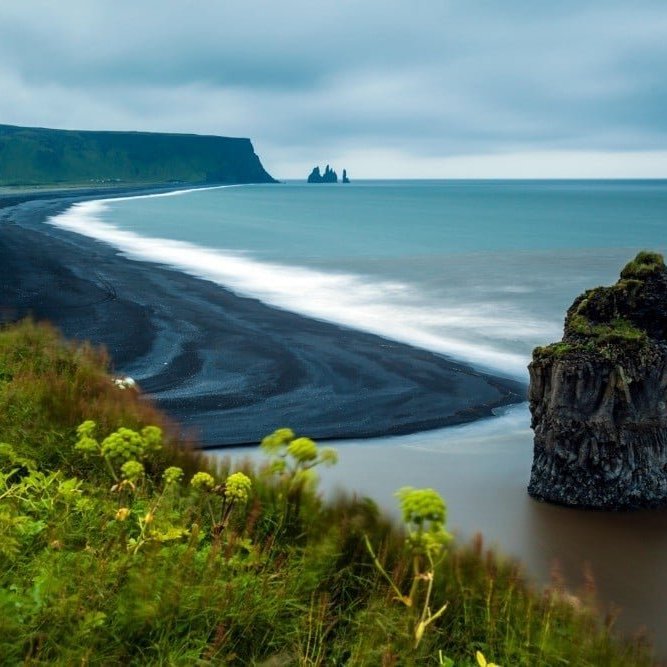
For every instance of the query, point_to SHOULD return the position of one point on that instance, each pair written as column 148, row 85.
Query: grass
column 645, row 263
column 617, row 331
column 554, row 351
column 600, row 320
column 153, row 568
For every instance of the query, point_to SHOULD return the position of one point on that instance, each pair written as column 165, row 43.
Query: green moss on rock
column 615, row 320
column 643, row 265
column 553, row 351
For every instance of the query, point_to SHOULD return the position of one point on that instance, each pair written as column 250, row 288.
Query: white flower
column 125, row 383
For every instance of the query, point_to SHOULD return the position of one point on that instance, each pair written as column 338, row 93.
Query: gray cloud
column 424, row 79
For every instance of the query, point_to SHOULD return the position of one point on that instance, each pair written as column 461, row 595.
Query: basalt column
column 598, row 398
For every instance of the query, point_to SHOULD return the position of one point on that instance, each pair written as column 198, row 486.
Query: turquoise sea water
column 481, row 271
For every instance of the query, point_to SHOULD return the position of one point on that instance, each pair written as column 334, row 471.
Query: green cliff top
column 618, row 319
column 40, row 156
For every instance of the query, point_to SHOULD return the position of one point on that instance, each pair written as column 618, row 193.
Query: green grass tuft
column 554, row 351
column 644, row 264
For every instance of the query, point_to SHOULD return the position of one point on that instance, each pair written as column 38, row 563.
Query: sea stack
column 598, row 398
column 329, row 175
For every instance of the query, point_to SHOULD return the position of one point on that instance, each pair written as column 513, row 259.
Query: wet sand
column 228, row 368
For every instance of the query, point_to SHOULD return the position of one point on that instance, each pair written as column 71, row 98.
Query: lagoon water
column 481, row 271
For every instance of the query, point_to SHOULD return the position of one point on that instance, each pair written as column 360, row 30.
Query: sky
column 411, row 89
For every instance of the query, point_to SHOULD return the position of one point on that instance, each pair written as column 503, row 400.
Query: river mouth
column 482, row 470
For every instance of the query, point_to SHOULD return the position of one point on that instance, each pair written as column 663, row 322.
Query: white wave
column 170, row 193
column 393, row 310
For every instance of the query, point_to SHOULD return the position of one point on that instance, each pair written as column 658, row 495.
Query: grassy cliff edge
column 123, row 545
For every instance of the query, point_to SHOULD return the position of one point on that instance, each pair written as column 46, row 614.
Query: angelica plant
column 119, row 447
column 145, row 520
column 293, row 460
column 233, row 492
column 425, row 516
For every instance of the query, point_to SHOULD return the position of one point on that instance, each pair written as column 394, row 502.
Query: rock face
column 345, row 178
column 598, row 398
column 329, row 175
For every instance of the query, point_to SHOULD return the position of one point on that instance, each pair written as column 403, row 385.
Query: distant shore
column 228, row 368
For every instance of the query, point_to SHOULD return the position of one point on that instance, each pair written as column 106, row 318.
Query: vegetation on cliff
column 612, row 321
column 39, row 156
column 122, row 545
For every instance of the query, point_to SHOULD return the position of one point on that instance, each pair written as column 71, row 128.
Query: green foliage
column 292, row 455
column 555, row 350
column 424, row 514
column 292, row 461
column 153, row 568
column 56, row 386
column 615, row 320
column 619, row 330
column 643, row 265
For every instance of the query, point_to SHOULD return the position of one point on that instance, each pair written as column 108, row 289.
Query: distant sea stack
column 38, row 156
column 598, row 398
column 329, row 176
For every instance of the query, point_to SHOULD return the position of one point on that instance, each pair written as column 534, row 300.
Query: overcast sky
column 418, row 88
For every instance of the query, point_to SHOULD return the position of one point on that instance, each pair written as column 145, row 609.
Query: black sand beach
column 228, row 368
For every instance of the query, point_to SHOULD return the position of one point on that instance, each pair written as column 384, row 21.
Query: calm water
column 481, row 271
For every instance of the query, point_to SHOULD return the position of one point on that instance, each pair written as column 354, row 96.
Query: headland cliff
column 40, row 157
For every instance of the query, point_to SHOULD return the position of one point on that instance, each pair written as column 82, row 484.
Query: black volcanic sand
column 229, row 369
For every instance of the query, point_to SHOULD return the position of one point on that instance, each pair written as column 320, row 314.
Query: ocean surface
column 481, row 271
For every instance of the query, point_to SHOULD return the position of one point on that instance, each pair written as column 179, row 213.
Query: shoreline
column 228, row 368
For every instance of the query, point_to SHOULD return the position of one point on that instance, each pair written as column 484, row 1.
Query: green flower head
column 152, row 436
column 86, row 429
column 124, row 444
column 172, row 475
column 87, row 445
column 420, row 505
column 202, row 481
column 280, row 437
column 86, row 442
column 132, row 470
column 425, row 514
column 277, row 466
column 302, row 449
column 237, row 487
column 328, row 456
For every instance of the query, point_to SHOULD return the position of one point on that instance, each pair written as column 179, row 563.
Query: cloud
column 428, row 82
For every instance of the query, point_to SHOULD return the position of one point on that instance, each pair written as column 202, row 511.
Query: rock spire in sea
column 329, row 176
column 598, row 398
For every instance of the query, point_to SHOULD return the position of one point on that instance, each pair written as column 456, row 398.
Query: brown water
column 482, row 470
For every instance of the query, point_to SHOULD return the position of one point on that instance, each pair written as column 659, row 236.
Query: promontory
column 39, row 156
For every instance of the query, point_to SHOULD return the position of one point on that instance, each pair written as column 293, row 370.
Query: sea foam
column 392, row 309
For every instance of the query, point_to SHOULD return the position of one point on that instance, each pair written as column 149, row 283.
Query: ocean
column 480, row 271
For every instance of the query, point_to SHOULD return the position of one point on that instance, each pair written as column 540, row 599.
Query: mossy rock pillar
column 598, row 398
